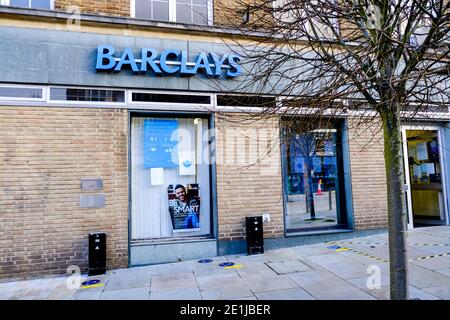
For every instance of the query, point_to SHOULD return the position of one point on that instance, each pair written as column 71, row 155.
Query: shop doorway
column 425, row 176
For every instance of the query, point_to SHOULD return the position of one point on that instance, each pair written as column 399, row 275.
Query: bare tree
column 381, row 59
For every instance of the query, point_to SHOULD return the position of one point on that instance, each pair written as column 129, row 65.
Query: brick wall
column 44, row 152
column 248, row 184
column 119, row 8
column 368, row 175
column 231, row 13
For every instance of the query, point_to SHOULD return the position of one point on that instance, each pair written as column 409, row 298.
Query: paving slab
column 346, row 292
column 280, row 254
column 433, row 263
column 442, row 292
column 140, row 278
column 260, row 283
column 288, row 266
column 173, row 281
column 227, row 294
column 172, row 268
column 87, row 294
column 260, row 268
column 240, row 258
column 445, row 272
column 176, row 294
column 312, row 250
column 62, row 294
column 423, row 278
column 285, row 294
column 329, row 259
column 316, row 279
column 220, row 282
column 361, row 282
column 348, row 270
column 126, row 294
column 414, row 293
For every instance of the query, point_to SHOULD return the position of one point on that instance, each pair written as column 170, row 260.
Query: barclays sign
column 168, row 62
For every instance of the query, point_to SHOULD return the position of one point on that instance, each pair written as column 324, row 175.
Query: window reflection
column 312, row 178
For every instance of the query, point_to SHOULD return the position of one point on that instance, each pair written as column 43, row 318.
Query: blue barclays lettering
column 169, row 62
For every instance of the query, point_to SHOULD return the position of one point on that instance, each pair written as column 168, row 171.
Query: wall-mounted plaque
column 92, row 201
column 91, row 184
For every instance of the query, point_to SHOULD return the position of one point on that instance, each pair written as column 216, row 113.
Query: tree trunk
column 397, row 223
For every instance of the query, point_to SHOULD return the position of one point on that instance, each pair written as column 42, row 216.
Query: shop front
column 139, row 132
column 141, row 118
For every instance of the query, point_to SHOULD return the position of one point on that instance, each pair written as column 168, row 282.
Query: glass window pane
column 40, row 4
column 200, row 2
column 184, row 12
column 200, row 15
column 20, row 3
column 160, row 11
column 169, row 179
column 184, row 1
column 159, row 97
column 143, row 9
column 14, row 92
column 312, row 179
column 70, row 94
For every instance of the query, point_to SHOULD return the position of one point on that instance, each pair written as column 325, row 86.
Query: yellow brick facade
column 44, row 153
column 119, row 8
column 368, row 174
column 248, row 186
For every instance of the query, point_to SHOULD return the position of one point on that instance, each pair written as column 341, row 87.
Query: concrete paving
column 352, row 269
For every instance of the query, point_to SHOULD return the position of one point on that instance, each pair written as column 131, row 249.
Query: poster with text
column 184, row 207
column 160, row 143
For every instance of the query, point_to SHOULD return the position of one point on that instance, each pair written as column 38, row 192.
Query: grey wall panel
column 57, row 57
column 172, row 252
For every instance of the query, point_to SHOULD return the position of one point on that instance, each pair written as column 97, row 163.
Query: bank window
column 313, row 166
column 170, row 178
column 20, row 93
column 183, row 11
column 87, row 95
column 169, row 98
column 33, row 4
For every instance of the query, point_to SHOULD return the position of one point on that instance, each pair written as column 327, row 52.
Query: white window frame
column 169, row 105
column 74, row 102
column 20, row 86
column 173, row 10
column 8, row 3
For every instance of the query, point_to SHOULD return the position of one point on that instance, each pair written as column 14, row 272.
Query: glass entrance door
column 424, row 170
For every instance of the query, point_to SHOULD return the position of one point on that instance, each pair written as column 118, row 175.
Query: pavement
column 353, row 269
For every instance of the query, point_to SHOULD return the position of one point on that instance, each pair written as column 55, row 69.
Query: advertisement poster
column 184, row 207
column 422, row 152
column 158, row 146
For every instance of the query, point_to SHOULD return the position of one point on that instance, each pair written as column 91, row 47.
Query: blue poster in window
column 158, row 146
column 317, row 164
